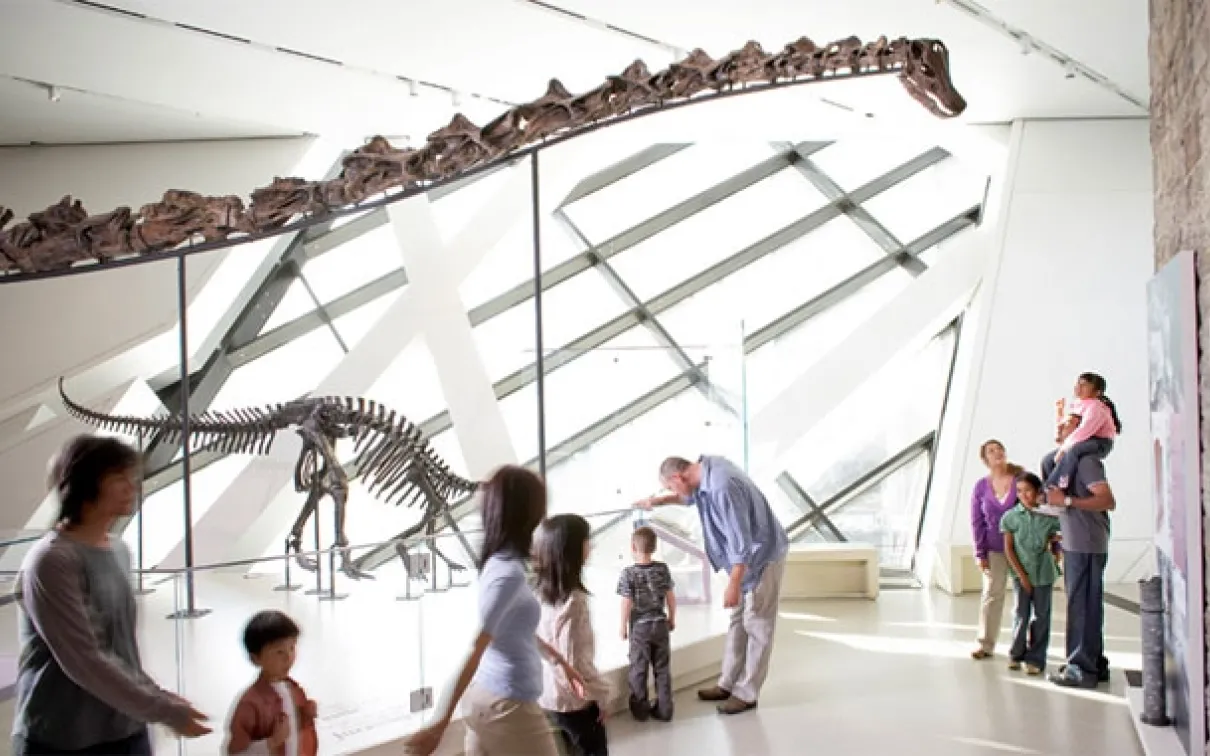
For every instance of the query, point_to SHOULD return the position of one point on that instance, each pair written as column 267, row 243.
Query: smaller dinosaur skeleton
column 393, row 459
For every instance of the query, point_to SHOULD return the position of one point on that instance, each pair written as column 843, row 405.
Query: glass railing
column 375, row 653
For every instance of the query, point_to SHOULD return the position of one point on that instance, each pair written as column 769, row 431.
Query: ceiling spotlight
column 1027, row 44
column 456, row 98
column 1069, row 70
column 53, row 94
column 413, row 90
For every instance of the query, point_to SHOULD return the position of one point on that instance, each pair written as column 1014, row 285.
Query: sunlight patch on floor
column 993, row 745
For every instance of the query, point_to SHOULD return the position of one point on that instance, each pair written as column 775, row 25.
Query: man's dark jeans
column 1085, row 585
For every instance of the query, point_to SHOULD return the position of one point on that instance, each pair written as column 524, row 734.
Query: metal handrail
column 411, row 541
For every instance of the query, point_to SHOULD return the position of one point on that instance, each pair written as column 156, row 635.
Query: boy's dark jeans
column 651, row 646
column 1054, row 474
column 581, row 731
column 1031, row 625
column 138, row 744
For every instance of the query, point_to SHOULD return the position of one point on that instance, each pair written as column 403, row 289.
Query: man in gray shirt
column 80, row 683
column 1084, row 521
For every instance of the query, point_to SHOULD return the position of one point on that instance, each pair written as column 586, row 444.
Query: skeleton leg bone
column 294, row 540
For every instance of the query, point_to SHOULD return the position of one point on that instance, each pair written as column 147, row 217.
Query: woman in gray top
column 80, row 684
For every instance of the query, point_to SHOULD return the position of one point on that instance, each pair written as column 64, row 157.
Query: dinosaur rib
column 56, row 240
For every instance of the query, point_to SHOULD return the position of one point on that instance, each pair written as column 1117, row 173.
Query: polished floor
column 848, row 676
column 895, row 677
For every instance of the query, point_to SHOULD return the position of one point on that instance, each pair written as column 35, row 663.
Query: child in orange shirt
column 274, row 717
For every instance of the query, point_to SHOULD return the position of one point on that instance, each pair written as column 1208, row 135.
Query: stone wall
column 1180, row 132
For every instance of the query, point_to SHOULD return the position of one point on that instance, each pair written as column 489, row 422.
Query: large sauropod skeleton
column 393, row 459
column 66, row 238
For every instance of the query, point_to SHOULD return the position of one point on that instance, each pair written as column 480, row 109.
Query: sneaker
column 1014, row 664
column 735, row 706
column 1031, row 670
column 658, row 716
column 714, row 694
column 1073, row 677
column 640, row 710
column 1102, row 673
column 979, row 653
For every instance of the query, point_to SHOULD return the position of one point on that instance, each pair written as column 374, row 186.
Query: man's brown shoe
column 713, row 694
column 734, row 705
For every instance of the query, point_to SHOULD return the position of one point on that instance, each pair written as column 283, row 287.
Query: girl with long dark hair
column 566, row 626
column 1099, row 425
column 502, row 678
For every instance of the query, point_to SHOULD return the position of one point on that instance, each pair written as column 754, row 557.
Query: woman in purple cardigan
column 993, row 496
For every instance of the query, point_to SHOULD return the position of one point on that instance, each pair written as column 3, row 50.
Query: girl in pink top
column 1098, row 427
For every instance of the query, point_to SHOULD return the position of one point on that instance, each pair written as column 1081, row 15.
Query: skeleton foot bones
column 65, row 236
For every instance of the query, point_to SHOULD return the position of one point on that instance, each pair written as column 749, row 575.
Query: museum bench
column 831, row 570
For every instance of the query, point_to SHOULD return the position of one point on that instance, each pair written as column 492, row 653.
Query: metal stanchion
column 319, row 581
column 191, row 610
column 140, row 588
column 287, row 585
column 331, row 595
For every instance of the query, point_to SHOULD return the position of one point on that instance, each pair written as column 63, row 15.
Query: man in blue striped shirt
column 744, row 538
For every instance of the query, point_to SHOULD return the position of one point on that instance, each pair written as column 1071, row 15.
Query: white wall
column 1066, row 294
column 66, row 325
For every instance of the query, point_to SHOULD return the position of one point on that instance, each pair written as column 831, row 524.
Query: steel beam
column 620, row 170
column 872, row 478
column 799, row 496
column 859, row 215
column 636, row 235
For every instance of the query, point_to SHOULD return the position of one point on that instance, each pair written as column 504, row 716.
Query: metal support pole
column 191, row 611
column 540, row 353
column 432, row 546
column 331, row 595
column 319, row 578
column 140, row 588
column 288, row 585
column 1151, row 605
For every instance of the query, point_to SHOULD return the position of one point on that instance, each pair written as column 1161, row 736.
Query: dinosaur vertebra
column 393, row 459
column 64, row 234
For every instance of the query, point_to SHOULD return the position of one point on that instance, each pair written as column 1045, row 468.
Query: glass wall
column 680, row 294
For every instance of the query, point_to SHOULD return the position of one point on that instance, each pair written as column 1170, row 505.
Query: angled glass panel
column 772, row 367
column 164, row 511
column 775, row 284
column 296, row 303
column 506, row 342
column 856, row 161
column 588, row 389
column 918, row 205
column 511, row 261
column 411, row 385
column 623, row 466
column 454, row 211
column 894, row 408
column 886, row 514
column 353, row 326
column 658, row 187
column 353, row 264
column 283, row 374
column 716, row 233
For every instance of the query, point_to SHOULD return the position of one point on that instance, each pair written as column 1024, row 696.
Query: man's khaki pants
column 750, row 638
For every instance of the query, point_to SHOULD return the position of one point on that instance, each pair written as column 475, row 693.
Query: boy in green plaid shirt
column 1029, row 544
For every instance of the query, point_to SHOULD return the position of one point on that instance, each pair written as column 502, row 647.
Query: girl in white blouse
column 566, row 626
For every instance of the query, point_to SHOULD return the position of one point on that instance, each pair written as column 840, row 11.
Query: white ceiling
column 126, row 78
